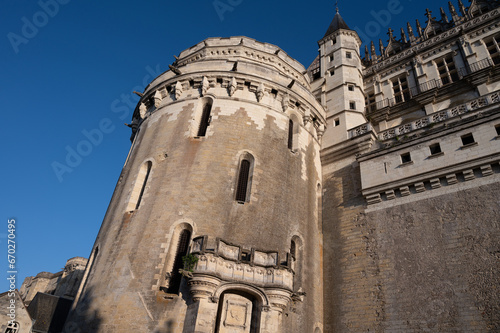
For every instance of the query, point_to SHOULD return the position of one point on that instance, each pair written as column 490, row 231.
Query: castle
column 357, row 195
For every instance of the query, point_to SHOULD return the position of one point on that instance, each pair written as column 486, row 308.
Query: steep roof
column 337, row 23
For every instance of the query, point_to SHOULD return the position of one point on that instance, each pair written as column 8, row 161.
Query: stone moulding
column 470, row 107
column 229, row 270
column 180, row 86
column 431, row 182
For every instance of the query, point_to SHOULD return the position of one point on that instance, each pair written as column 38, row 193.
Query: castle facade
column 357, row 195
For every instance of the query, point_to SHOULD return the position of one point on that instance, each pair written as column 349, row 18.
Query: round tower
column 223, row 172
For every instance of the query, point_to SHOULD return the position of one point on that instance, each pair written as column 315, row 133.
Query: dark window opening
column 143, row 185
column 405, row 158
column 497, row 128
column 247, row 83
column 348, row 55
column 435, row 149
column 274, row 92
column 352, row 105
column 246, row 256
column 175, row 276
column 290, row 134
column 336, row 122
column 241, row 191
column 205, row 119
column 191, row 83
column 219, row 81
column 350, row 87
column 467, row 139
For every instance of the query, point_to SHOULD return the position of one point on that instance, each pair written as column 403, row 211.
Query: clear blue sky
column 64, row 70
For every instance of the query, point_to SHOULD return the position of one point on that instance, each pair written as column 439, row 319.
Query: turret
column 342, row 92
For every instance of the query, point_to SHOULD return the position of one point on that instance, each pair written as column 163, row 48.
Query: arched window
column 12, row 327
column 296, row 254
column 205, row 117
column 293, row 132
column 290, row 134
column 181, row 250
column 244, row 184
column 139, row 186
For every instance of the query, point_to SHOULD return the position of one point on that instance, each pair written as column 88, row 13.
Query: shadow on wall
column 168, row 328
column 84, row 318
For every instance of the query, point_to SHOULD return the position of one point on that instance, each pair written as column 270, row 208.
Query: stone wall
column 431, row 264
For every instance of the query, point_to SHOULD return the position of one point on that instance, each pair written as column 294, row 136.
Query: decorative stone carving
column 204, row 86
column 178, row 89
column 142, row 110
column 260, row 92
column 307, row 116
column 285, row 101
column 232, row 86
column 158, row 99
column 320, row 131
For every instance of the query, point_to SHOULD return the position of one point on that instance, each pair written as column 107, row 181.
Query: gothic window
column 180, row 252
column 493, row 47
column 12, row 327
column 244, row 178
column 205, row 117
column 139, row 186
column 400, row 89
column 447, row 69
column 241, row 192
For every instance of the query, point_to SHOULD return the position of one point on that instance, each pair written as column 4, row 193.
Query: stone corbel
column 284, row 102
column 320, row 131
column 260, row 92
column 157, row 99
column 233, row 85
column 307, row 116
column 204, row 86
column 142, row 110
column 178, row 89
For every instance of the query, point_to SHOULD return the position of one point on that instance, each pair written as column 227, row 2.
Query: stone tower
column 341, row 78
column 224, row 165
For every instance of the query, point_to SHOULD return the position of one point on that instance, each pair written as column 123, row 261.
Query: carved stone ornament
column 307, row 116
column 232, row 86
column 260, row 92
column 178, row 90
column 204, row 85
column 157, row 99
column 320, row 131
column 285, row 101
column 142, row 110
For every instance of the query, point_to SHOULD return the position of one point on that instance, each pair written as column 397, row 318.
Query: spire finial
column 337, row 6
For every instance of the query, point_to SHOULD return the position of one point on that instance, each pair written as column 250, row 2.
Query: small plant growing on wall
column 189, row 262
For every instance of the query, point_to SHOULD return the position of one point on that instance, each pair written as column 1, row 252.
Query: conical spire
column 337, row 24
